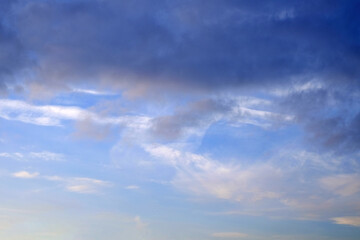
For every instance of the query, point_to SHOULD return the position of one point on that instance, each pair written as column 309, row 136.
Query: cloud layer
column 188, row 44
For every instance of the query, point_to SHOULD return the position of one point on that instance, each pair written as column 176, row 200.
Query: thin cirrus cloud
column 92, row 92
column 81, row 185
column 132, row 187
column 235, row 235
column 52, row 115
column 85, row 185
column 269, row 183
column 192, row 120
column 43, row 156
column 72, row 184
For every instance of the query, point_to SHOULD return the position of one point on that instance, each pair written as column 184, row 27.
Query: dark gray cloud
column 330, row 116
column 192, row 44
column 12, row 55
column 194, row 116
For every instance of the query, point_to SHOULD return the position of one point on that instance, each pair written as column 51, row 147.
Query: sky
column 183, row 120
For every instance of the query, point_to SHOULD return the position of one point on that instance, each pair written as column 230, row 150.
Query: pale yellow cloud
column 229, row 235
column 25, row 174
column 349, row 220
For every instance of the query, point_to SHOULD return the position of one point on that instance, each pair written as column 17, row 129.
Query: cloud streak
column 229, row 235
column 52, row 115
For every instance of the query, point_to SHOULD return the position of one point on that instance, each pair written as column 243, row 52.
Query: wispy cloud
column 85, row 185
column 91, row 92
column 275, row 186
column 15, row 155
column 71, row 184
column 342, row 184
column 201, row 175
column 43, row 155
column 54, row 115
column 229, row 235
column 47, row 156
column 196, row 117
column 25, row 174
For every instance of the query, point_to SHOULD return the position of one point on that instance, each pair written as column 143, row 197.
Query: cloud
column 72, row 184
column 197, row 116
column 40, row 115
column 174, row 45
column 132, row 187
column 47, row 156
column 353, row 221
column 15, row 155
column 330, row 115
column 44, row 155
column 229, row 235
column 91, row 92
column 342, row 184
column 193, row 49
column 12, row 53
column 54, row 115
column 139, row 223
column 203, row 176
column 25, row 174
column 301, row 185
column 85, row 185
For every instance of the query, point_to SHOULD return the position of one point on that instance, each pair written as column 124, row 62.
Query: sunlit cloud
column 25, row 174
column 229, row 235
column 92, row 92
column 353, row 221
column 85, row 185
column 52, row 115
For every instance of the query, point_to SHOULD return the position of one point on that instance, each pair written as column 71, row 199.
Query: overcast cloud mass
column 168, row 119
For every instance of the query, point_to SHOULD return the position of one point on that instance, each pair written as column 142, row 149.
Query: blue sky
column 196, row 120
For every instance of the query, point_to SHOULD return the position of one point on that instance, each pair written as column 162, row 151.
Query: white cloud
column 25, row 174
column 91, row 92
column 54, row 178
column 261, row 118
column 72, row 184
column 301, row 87
column 52, row 115
column 47, row 156
column 6, row 155
column 15, row 155
column 353, row 221
column 44, row 155
column 132, row 187
column 229, row 235
column 281, row 186
column 85, row 185
column 203, row 176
